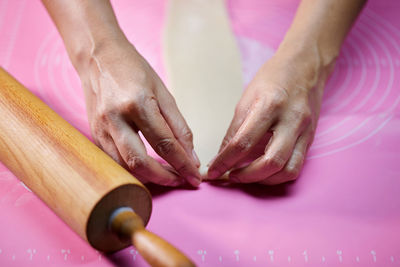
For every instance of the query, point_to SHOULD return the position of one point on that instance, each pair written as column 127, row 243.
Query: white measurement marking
column 203, row 254
column 237, row 252
column 65, row 252
column 373, row 253
column 31, row 252
column 271, row 255
column 339, row 253
column 99, row 255
column 305, row 254
column 134, row 253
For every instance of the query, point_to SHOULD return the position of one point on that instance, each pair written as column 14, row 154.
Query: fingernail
column 195, row 181
column 195, row 157
column 213, row 174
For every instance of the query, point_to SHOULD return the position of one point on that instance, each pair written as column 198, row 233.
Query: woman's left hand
column 282, row 102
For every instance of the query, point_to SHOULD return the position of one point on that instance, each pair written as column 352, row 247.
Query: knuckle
column 182, row 169
column 165, row 146
column 150, row 100
column 106, row 113
column 129, row 106
column 292, row 172
column 300, row 117
column 135, row 162
column 187, row 135
column 103, row 115
column 137, row 103
column 279, row 99
column 276, row 162
column 241, row 145
column 143, row 106
column 304, row 114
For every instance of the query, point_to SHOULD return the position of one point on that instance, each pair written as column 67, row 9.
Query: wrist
column 300, row 63
column 309, row 52
column 307, row 56
column 84, row 54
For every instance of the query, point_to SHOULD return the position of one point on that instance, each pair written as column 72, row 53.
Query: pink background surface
column 343, row 211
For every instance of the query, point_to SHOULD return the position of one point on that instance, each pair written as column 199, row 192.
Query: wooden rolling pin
column 95, row 196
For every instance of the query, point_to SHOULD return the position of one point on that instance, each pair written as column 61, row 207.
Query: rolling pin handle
column 155, row 250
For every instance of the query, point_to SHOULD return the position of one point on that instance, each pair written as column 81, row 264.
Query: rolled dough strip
column 204, row 71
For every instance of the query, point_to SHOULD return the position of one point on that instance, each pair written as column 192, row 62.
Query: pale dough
column 204, row 71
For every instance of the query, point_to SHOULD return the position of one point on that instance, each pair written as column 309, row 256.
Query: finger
column 157, row 132
column 277, row 153
column 293, row 167
column 134, row 154
column 106, row 143
column 177, row 124
column 257, row 152
column 252, row 130
column 241, row 112
column 237, row 121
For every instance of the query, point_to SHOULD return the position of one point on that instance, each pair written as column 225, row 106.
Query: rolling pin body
column 77, row 180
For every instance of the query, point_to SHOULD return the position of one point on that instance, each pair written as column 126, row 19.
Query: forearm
column 319, row 29
column 85, row 26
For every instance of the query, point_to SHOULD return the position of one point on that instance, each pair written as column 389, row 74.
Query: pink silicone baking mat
column 343, row 211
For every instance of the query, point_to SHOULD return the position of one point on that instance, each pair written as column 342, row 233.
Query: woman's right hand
column 124, row 96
